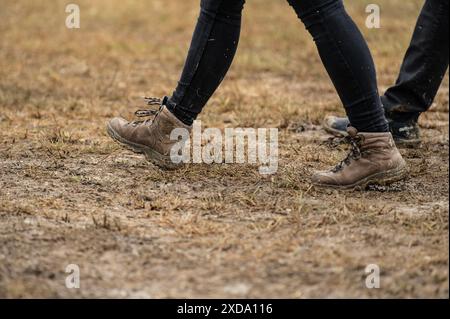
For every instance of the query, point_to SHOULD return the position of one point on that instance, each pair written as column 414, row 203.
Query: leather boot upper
column 371, row 153
column 154, row 134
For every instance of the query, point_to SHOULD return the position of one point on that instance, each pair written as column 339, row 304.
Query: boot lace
column 150, row 101
column 355, row 153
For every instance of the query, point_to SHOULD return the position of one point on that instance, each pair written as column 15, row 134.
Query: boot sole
column 380, row 179
column 151, row 155
column 400, row 143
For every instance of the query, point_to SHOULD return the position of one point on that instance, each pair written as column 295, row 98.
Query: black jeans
column 341, row 46
column 424, row 66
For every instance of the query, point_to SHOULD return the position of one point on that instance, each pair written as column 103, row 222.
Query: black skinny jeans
column 341, row 46
column 424, row 66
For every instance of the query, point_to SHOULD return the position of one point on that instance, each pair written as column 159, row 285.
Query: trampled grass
column 69, row 195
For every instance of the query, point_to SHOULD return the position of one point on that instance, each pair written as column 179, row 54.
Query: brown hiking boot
column 374, row 159
column 150, row 137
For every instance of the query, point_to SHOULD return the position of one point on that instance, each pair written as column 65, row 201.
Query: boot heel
column 391, row 177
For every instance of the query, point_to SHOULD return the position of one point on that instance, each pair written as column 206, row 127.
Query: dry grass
column 69, row 195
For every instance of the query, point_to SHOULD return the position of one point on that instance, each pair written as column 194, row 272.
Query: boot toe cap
column 336, row 124
column 323, row 178
column 116, row 124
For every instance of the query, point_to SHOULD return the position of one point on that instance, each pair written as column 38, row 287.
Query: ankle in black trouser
column 347, row 58
column 212, row 50
column 424, row 66
column 341, row 46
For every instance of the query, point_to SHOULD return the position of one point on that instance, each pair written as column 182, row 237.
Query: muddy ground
column 68, row 195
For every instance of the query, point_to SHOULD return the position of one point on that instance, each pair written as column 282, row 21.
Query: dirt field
column 69, row 195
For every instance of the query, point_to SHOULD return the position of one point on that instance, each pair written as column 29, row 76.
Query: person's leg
column 424, row 66
column 347, row 58
column 421, row 75
column 212, row 50
column 374, row 159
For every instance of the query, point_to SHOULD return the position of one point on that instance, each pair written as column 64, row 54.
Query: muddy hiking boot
column 405, row 134
column 150, row 137
column 373, row 160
